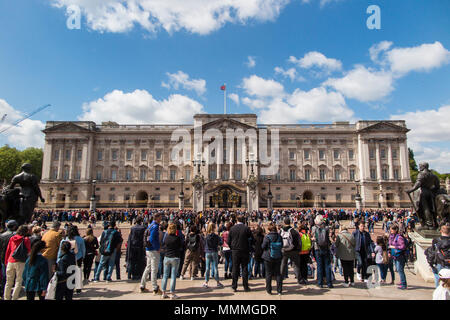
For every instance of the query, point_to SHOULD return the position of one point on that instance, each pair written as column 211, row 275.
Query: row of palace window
column 322, row 153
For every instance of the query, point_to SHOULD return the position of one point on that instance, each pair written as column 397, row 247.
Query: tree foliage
column 414, row 171
column 12, row 159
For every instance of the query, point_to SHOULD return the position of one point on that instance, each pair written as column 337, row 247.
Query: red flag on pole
column 223, row 87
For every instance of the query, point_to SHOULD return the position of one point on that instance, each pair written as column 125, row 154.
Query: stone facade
column 133, row 165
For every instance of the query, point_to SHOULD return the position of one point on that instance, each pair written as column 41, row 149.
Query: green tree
column 33, row 156
column 9, row 163
column 413, row 170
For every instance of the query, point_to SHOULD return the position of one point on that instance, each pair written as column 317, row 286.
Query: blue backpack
column 275, row 248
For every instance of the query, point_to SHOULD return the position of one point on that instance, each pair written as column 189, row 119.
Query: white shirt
column 441, row 293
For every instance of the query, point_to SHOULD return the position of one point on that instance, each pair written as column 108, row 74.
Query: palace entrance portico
column 225, row 196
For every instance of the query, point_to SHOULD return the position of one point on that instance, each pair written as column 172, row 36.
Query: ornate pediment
column 224, row 124
column 384, row 126
column 66, row 127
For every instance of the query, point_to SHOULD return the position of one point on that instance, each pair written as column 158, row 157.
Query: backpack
column 288, row 240
column 443, row 252
column 275, row 248
column 430, row 254
column 192, row 242
column 20, row 254
column 397, row 252
column 106, row 248
column 322, row 238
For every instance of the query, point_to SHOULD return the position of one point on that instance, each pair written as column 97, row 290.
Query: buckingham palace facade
column 317, row 165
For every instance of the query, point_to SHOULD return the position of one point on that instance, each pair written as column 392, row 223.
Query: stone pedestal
column 252, row 199
column 269, row 202
column 92, row 204
column 181, row 201
column 421, row 265
column 198, row 199
column 358, row 202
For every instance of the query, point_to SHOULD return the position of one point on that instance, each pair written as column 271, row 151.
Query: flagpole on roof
column 225, row 99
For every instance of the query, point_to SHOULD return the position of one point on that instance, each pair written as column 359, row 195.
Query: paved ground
column 187, row 289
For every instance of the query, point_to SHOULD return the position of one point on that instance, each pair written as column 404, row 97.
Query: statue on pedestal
column 18, row 203
column 425, row 202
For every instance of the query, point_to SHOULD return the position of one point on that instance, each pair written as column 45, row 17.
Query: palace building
column 320, row 165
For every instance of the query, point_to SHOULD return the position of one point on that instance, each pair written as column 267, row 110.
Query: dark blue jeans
column 323, row 265
column 227, row 256
column 400, row 265
column 260, row 268
column 383, row 270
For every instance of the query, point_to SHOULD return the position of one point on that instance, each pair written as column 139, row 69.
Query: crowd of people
column 179, row 245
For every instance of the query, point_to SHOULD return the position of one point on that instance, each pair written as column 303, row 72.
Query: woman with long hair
column 35, row 274
column 66, row 260
column 259, row 262
column 227, row 251
column 91, row 244
column 382, row 257
column 212, row 243
column 171, row 244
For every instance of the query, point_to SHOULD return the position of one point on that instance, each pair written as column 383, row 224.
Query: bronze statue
column 429, row 186
column 17, row 203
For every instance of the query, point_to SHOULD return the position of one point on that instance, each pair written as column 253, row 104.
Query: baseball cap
column 444, row 274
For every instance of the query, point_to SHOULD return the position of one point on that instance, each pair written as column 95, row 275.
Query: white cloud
column 251, row 62
column 140, row 107
column 26, row 134
column 290, row 73
column 317, row 59
column 181, row 79
column 257, row 86
column 421, row 58
column 195, row 16
column 363, row 84
column 234, row 97
column 376, row 49
column 429, row 127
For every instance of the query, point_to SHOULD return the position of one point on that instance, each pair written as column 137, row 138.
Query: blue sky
column 312, row 63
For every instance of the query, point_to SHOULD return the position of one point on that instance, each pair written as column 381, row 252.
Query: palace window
column 337, row 174
column 78, row 174
column 187, row 175
column 292, row 196
column 156, row 197
column 306, row 154
column 292, row 174
column 225, row 175
column 68, row 154
column 371, row 153
column 352, row 174
column 143, row 155
column 114, row 155
column 66, row 174
column 129, row 155
column 113, row 175
column 383, row 153
column 373, row 174
column 338, row 197
column 384, row 174
column 322, row 174
column 158, row 155
column 112, row 197
column 336, row 154
column 143, row 174
column 56, row 154
column 55, row 173
column 238, row 174
column 322, row 154
column 99, row 175
column 79, row 155
column 173, row 174
column 307, row 175
column 212, row 174
column 396, row 175
column 291, row 154
column 128, row 175
column 157, row 174
column 278, row 176
column 171, row 197
column 394, row 154
column 350, row 154
column 99, row 155
column 278, row 197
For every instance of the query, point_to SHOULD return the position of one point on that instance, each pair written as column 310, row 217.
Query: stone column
column 404, row 162
column 252, row 199
column 47, row 160
column 198, row 199
column 84, row 160
column 244, row 172
column 61, row 161
column 73, row 158
column 90, row 157
column 231, row 160
column 377, row 156
column 391, row 166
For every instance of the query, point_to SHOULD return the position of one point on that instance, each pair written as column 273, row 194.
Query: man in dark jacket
column 109, row 242
column 239, row 240
column 11, row 228
column 135, row 256
column 363, row 249
column 291, row 248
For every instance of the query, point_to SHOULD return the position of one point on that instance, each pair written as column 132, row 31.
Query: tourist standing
column 91, row 244
column 192, row 256
column 259, row 262
column 272, row 255
column 35, row 274
column 441, row 252
column 66, row 260
column 345, row 251
column 238, row 239
column 109, row 241
column 11, row 228
column 381, row 258
column 171, row 245
column 135, row 255
column 305, row 252
column 212, row 243
column 291, row 248
column 397, row 244
column 15, row 267
column 151, row 238
column 322, row 243
column 227, row 251
column 52, row 239
column 363, row 248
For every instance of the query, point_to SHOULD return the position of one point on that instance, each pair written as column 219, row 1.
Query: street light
column 181, row 196
column 251, row 161
column 198, row 162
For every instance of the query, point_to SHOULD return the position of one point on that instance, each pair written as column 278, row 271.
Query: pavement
column 418, row 289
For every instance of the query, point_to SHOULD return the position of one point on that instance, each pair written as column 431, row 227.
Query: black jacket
column 67, row 260
column 4, row 240
column 238, row 238
column 367, row 243
column 171, row 245
column 259, row 238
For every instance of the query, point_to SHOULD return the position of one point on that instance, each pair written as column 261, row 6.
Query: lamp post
column 358, row 196
column 269, row 196
column 252, row 162
column 198, row 162
column 93, row 205
column 181, row 196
